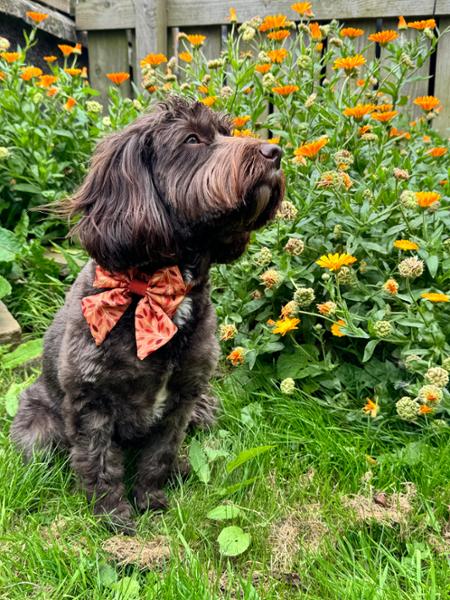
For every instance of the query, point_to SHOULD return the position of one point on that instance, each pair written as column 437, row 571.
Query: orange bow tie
column 162, row 293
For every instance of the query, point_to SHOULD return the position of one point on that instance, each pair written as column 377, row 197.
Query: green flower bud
column 287, row 386
column 304, row 296
column 437, row 376
column 382, row 328
column 407, row 408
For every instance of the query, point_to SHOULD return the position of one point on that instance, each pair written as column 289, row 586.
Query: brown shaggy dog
column 173, row 188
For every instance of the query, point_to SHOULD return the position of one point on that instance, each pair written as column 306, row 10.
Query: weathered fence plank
column 151, row 29
column 442, row 80
column 57, row 24
column 98, row 14
column 108, row 52
column 66, row 6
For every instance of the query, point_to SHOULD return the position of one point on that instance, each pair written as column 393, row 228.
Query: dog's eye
column 192, row 139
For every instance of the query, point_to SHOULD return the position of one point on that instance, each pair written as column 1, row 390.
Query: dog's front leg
column 98, row 462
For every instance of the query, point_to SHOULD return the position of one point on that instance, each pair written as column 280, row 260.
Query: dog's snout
column 272, row 152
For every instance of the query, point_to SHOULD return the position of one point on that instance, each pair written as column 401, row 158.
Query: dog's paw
column 118, row 518
column 150, row 499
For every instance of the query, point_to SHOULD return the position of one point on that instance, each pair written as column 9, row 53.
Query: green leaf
column 127, row 588
column 107, row 575
column 245, row 456
column 233, row 541
column 5, row 287
column 369, row 349
column 199, row 461
column 9, row 245
column 23, row 353
column 224, row 512
column 231, row 489
column 11, row 398
column 432, row 263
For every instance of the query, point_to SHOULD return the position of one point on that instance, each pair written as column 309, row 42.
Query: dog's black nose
column 272, row 152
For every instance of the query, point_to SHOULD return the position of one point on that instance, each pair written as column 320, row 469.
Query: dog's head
column 173, row 180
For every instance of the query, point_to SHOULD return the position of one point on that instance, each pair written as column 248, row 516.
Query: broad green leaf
column 245, row 456
column 224, row 512
column 432, row 263
column 369, row 349
column 233, row 541
column 199, row 461
column 23, row 353
column 231, row 489
column 127, row 588
column 11, row 398
column 9, row 245
column 107, row 574
column 5, row 287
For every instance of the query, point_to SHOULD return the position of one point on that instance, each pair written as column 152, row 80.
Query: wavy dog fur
column 173, row 188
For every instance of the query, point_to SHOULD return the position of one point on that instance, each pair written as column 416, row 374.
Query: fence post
column 151, row 30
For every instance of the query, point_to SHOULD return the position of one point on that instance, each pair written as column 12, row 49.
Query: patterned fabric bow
column 162, row 294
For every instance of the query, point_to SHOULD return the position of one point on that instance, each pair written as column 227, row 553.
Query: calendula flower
column 50, row 59
column 384, row 117
column 327, row 308
column 274, row 22
column 70, row 103
column 406, row 245
column 294, row 246
column 430, row 393
column 427, row 103
column 289, row 310
column 271, row 278
column 437, row 376
column 240, row 122
column 304, row 9
column 435, row 297
column 421, row 25
column 371, row 408
column 118, row 78
column 185, row 56
column 334, row 262
column 264, row 68
column 227, row 331
column 311, row 149
column 283, row 326
column 73, row 72
column 394, row 132
column 425, row 410
column 209, row 100
column 426, row 199
column 438, row 151
column 279, row 36
column 278, row 55
column 153, row 60
column 402, row 23
column 410, row 268
column 349, row 63
column 196, row 40
column 243, row 133
column 285, row 90
column 52, row 91
column 351, row 32
column 232, row 15
column 28, row 73
column 383, row 37
column 407, row 408
column 383, row 107
column 359, row 111
column 37, row 17
column 46, row 81
column 315, row 32
column 10, row 57
column 336, row 328
column 65, row 49
column 391, row 286
column 237, row 356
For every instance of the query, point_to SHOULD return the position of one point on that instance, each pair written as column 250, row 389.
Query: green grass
column 52, row 545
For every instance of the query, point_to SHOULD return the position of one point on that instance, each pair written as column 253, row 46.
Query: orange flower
column 153, row 60
column 232, row 15
column 239, row 122
column 383, row 107
column 391, row 286
column 334, row 262
column 406, row 245
column 311, row 149
column 394, row 132
column 351, row 32
column 237, row 356
column 65, row 49
column 384, row 117
column 203, row 89
column 402, row 23
column 2, row 76
column 280, row 35
column 273, row 22
column 315, row 31
column 426, row 24
column 426, row 139
column 50, row 59
column 46, row 81
column 243, row 133
column 383, row 37
column 326, row 308
column 30, row 72
column 349, row 63
column 360, row 82
column 358, row 111
column 371, row 408
column 285, row 325
column 285, row 90
column 70, row 103
column 151, row 89
column 52, row 91
column 426, row 199
column 435, row 297
column 437, row 151
column 336, row 328
column 77, row 49
column 209, row 100
column 10, row 57
column 277, row 56
column 196, row 39
column 425, row 410
column 427, row 103
column 118, row 78
column 303, row 8
column 264, row 68
column 37, row 17
column 364, row 129
column 72, row 72
column 274, row 140
column 185, row 56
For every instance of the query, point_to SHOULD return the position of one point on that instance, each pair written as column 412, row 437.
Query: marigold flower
column 430, row 393
column 153, row 60
column 303, row 8
column 358, row 111
column 196, row 40
column 425, row 410
column 351, row 32
column 290, row 309
column 427, row 103
column 270, row 278
column 274, row 22
column 239, row 122
column 65, row 49
column 435, row 297
column 50, row 59
column 391, row 287
column 311, row 149
column 315, row 32
column 52, row 91
column 285, row 90
column 384, row 117
column 420, row 25
column 72, row 72
column 349, row 63
column 118, row 78
column 278, row 55
column 10, row 57
column 405, row 245
column 426, row 199
column 279, row 36
column 426, row 139
column 383, row 37
column 394, row 132
column 209, row 100
column 237, row 356
column 2, row 75
column 283, row 326
column 402, row 23
column 227, row 331
column 70, row 103
column 264, row 68
column 336, row 328
column 30, row 72
column 437, row 376
column 243, row 133
column 437, row 151
column 334, row 262
column 232, row 15
column 185, row 56
column 371, row 408
column 203, row 89
column 383, row 107
column 365, row 129
column 37, row 17
column 327, row 308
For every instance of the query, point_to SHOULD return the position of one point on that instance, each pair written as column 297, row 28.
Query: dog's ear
column 123, row 221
